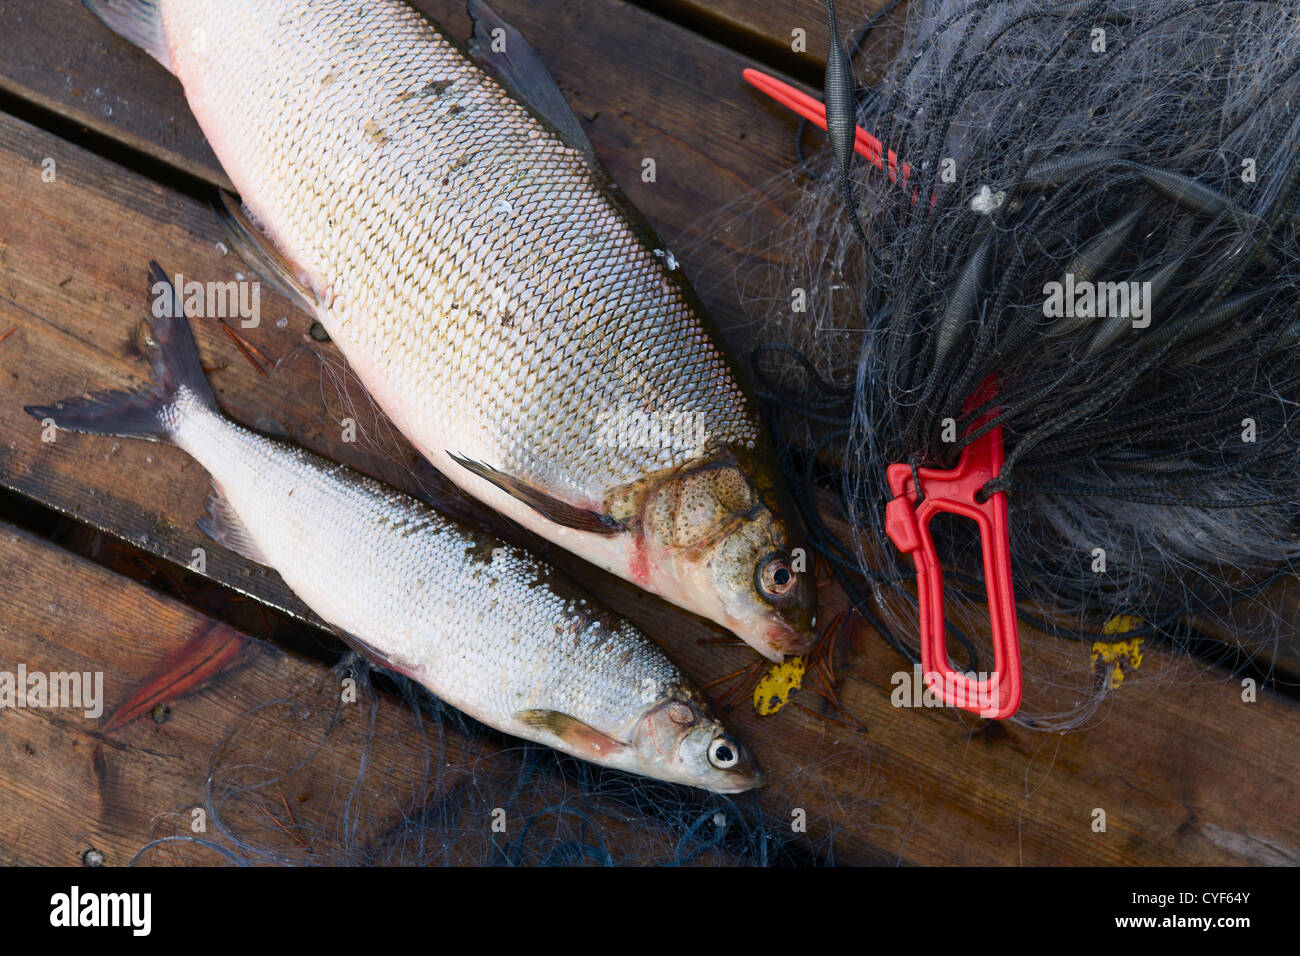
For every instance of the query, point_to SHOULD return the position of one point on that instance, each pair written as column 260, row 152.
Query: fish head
column 678, row 740
column 723, row 551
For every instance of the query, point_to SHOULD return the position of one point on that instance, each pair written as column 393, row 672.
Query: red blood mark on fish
column 638, row 566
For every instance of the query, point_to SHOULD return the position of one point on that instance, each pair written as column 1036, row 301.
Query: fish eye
column 775, row 576
column 723, row 753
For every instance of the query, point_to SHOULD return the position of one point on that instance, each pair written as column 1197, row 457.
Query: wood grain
column 767, row 30
column 1170, row 764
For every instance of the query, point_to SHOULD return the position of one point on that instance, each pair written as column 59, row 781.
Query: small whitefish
column 77, row 909
column 75, row 690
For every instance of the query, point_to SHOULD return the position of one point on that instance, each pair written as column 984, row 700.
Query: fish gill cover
column 1097, row 216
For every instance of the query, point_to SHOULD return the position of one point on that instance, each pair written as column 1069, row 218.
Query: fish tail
column 139, row 21
column 149, row 412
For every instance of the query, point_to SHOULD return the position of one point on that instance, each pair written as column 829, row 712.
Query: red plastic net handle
column 953, row 492
column 956, row 491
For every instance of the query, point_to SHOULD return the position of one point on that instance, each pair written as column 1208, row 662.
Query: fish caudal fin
column 142, row 413
column 139, row 21
column 176, row 362
column 128, row 414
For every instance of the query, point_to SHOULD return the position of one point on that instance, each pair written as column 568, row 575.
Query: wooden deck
column 95, row 534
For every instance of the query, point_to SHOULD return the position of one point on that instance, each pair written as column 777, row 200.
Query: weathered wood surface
column 1186, row 772
column 67, row 786
column 766, row 29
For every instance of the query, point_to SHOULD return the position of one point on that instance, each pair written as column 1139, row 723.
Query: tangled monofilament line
column 1093, row 143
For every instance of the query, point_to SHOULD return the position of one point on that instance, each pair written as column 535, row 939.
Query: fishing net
column 1145, row 151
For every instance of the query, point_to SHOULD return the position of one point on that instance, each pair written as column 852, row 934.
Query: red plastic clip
column 908, row 523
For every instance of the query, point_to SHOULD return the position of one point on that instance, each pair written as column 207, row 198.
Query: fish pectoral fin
column 224, row 526
column 139, row 21
column 503, row 52
column 548, row 506
column 374, row 654
column 256, row 248
column 572, row 731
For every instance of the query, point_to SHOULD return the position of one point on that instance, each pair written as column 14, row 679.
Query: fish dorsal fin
column 226, row 528
column 548, row 506
column 139, row 21
column 256, row 248
column 503, row 51
column 572, row 731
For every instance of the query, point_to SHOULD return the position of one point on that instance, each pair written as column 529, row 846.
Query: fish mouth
column 780, row 640
column 775, row 641
column 747, row 782
column 748, row 776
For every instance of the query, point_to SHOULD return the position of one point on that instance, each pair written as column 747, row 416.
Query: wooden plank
column 790, row 35
column 72, row 784
column 923, row 786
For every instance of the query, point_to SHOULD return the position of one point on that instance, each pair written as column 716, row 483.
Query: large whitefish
column 450, row 228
